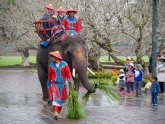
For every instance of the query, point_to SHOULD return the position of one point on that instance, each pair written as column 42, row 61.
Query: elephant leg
column 44, row 90
column 42, row 68
column 42, row 75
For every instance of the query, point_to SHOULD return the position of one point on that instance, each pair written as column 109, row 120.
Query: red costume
column 57, row 75
column 71, row 24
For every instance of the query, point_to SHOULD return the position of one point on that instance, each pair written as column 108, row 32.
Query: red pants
column 57, row 109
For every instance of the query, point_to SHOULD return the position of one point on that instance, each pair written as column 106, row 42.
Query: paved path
column 20, row 103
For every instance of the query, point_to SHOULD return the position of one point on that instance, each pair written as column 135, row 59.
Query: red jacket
column 59, row 74
column 71, row 24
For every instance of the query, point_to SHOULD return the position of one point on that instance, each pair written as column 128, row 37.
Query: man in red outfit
column 58, row 74
column 71, row 24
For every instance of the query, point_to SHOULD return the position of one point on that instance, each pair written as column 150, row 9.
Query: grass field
column 16, row 60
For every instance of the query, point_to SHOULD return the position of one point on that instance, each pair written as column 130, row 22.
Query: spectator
column 126, row 66
column 161, row 73
column 150, row 62
column 155, row 89
column 138, row 75
column 121, row 82
column 130, row 80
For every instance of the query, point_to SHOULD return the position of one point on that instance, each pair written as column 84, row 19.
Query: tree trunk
column 109, row 57
column 154, row 37
column 93, row 60
column 139, row 59
column 25, row 56
column 117, row 61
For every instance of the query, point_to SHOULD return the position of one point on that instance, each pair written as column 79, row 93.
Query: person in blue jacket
column 155, row 89
column 138, row 75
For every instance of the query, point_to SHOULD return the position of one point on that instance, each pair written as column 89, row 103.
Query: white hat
column 128, row 58
column 131, row 64
column 121, row 70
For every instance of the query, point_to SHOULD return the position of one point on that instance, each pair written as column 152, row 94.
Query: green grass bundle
column 75, row 110
column 106, row 88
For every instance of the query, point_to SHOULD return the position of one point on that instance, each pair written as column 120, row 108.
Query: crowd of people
column 130, row 79
column 65, row 19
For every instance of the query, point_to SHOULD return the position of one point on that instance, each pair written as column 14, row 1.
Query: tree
column 132, row 23
column 18, row 29
column 154, row 37
column 99, row 24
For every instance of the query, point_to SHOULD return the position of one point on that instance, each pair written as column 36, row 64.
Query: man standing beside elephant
column 58, row 73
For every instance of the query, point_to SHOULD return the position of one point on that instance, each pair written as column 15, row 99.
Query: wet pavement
column 21, row 103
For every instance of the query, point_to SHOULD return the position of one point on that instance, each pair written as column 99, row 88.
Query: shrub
column 101, row 74
column 144, row 81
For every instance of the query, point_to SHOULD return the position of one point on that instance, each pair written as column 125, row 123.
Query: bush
column 110, row 75
column 100, row 74
column 144, row 81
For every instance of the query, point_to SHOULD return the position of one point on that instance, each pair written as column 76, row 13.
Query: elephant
column 74, row 51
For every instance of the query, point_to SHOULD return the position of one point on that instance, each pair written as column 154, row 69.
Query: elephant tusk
column 74, row 72
column 90, row 71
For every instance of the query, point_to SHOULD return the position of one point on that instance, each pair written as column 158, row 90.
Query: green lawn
column 14, row 60
column 105, row 58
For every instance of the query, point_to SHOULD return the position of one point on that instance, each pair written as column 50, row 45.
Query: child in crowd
column 138, row 75
column 155, row 89
column 130, row 79
column 121, row 82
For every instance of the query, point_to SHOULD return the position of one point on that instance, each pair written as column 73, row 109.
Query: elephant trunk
column 81, row 69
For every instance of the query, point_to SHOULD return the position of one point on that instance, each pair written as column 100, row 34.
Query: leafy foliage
column 106, row 88
column 100, row 74
column 75, row 110
column 145, row 81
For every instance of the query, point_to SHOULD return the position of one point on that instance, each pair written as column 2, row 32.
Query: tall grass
column 75, row 110
column 107, row 88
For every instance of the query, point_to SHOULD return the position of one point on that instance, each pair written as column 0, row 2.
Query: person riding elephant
column 61, row 15
column 49, row 12
column 71, row 24
column 59, row 18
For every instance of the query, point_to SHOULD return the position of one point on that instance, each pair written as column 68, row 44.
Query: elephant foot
column 92, row 91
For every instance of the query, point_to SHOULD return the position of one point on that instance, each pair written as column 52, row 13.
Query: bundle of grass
column 106, row 88
column 75, row 110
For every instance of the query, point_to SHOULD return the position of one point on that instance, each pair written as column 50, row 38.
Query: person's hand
column 80, row 19
column 63, row 27
column 54, row 16
column 71, row 83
